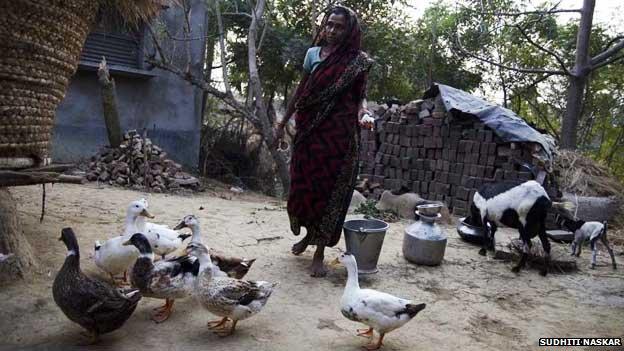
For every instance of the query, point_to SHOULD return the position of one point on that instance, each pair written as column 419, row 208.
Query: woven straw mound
column 583, row 176
column 39, row 52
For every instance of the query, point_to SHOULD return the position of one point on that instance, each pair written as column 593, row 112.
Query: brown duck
column 95, row 305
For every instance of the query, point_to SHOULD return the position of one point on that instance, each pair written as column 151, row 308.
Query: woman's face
column 335, row 28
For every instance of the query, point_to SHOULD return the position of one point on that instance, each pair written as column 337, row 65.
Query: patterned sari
column 324, row 163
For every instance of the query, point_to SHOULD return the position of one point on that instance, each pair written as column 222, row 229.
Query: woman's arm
column 364, row 115
column 290, row 109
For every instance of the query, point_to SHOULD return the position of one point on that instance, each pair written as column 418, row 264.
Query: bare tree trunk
column 313, row 17
column 109, row 105
column 186, row 7
column 503, row 81
column 615, row 147
column 431, row 52
column 258, row 115
column 16, row 254
column 603, row 133
column 211, row 33
column 226, row 81
column 256, row 90
column 578, row 80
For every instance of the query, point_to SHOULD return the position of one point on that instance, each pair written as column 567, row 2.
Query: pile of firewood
column 139, row 164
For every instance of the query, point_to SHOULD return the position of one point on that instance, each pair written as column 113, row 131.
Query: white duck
column 134, row 210
column 111, row 256
column 379, row 311
column 162, row 239
column 226, row 297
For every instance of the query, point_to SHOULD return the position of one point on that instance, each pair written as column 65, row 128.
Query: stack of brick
column 368, row 149
column 442, row 156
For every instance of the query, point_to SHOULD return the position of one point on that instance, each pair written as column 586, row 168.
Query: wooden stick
column 13, row 178
column 43, row 198
column 59, row 167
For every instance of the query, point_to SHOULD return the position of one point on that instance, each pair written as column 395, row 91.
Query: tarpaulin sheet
column 504, row 122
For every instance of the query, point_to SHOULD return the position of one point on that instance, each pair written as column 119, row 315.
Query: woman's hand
column 278, row 132
column 365, row 119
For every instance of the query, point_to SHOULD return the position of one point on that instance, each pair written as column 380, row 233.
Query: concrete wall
column 166, row 106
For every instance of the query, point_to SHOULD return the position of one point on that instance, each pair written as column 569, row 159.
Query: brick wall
column 439, row 155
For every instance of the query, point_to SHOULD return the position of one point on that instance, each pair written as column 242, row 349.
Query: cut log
column 189, row 181
column 593, row 208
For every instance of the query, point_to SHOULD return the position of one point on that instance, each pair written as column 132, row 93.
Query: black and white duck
column 95, row 305
column 167, row 279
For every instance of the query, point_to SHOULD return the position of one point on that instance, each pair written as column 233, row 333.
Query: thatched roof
column 135, row 11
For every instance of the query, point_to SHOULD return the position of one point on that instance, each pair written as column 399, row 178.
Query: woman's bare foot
column 317, row 268
column 300, row 246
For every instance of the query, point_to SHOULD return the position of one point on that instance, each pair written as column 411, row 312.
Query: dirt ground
column 473, row 303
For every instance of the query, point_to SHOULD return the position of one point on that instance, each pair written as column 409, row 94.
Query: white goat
column 522, row 206
column 592, row 231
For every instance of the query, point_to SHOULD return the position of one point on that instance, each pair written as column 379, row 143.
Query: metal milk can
column 424, row 242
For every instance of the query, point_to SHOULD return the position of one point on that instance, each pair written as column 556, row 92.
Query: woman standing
column 328, row 105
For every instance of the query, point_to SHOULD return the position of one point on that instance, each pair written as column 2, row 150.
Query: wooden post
column 109, row 105
column 16, row 253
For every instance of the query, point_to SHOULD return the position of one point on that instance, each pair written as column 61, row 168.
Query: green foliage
column 369, row 210
column 411, row 54
column 601, row 124
column 408, row 55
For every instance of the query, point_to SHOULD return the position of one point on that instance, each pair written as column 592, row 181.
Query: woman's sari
column 324, row 163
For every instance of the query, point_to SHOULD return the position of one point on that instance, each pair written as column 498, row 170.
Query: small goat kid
column 583, row 231
column 521, row 206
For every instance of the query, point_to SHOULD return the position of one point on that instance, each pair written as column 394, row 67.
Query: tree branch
column 219, row 66
column 615, row 147
column 516, row 14
column 606, row 54
column 264, row 31
column 236, row 14
column 522, row 70
column 607, row 62
column 161, row 53
column 613, row 41
column 550, row 52
column 228, row 99
column 543, row 117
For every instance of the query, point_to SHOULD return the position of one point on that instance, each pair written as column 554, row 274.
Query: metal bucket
column 364, row 238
